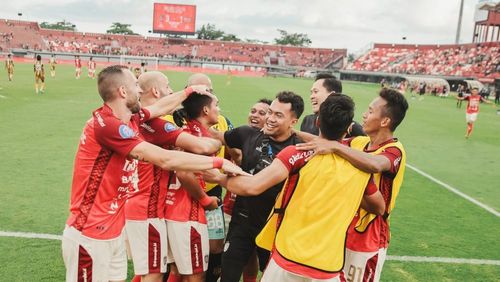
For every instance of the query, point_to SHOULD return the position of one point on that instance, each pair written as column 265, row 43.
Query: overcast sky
column 328, row 23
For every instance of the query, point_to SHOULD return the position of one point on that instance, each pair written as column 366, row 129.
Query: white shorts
column 471, row 117
column 274, row 272
column 89, row 259
column 360, row 266
column 215, row 224
column 148, row 245
column 188, row 245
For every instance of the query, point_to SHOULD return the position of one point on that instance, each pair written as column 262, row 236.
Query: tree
column 209, row 32
column 64, row 25
column 230, row 37
column 294, row 39
column 350, row 58
column 119, row 28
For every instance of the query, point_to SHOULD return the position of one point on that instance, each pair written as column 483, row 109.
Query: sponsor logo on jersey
column 298, row 156
column 197, row 129
column 396, row 162
column 147, row 127
column 99, row 119
column 169, row 127
column 126, row 132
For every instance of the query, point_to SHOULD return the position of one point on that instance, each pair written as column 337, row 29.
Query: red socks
column 247, row 278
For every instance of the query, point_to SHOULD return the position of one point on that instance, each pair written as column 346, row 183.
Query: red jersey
column 228, row 202
column 103, row 174
column 473, row 104
column 179, row 205
column 377, row 235
column 148, row 201
column 78, row 63
column 91, row 65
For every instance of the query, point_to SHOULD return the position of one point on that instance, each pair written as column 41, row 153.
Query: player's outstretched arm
column 191, row 184
column 361, row 160
column 254, row 184
column 216, row 134
column 374, row 203
column 197, row 145
column 175, row 160
column 168, row 104
column 486, row 101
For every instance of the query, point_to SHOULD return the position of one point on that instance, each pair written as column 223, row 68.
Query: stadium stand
column 469, row 60
column 29, row 35
column 19, row 34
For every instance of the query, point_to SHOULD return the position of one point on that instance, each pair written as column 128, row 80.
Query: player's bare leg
column 152, row 277
column 176, row 277
column 215, row 259
column 193, row 277
column 470, row 126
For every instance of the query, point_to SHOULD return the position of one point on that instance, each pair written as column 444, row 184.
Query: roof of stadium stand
column 490, row 6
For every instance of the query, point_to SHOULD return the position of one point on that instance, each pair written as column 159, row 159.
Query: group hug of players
column 309, row 205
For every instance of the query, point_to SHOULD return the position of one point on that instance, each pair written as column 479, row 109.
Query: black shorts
column 216, row 192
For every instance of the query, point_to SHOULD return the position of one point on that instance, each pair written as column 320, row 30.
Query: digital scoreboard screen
column 174, row 18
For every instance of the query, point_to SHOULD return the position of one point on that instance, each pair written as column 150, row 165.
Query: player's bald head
column 110, row 79
column 152, row 79
column 199, row 79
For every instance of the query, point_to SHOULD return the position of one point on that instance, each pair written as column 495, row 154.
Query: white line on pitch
column 393, row 258
column 444, row 260
column 455, row 190
column 30, row 235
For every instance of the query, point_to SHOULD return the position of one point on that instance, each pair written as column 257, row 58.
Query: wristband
column 217, row 162
column 205, row 201
column 188, row 91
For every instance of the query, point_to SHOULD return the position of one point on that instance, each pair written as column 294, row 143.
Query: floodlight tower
column 459, row 25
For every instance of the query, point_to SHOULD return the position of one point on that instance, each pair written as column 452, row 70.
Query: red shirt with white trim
column 473, row 102
column 104, row 174
column 179, row 205
column 148, row 201
column 377, row 234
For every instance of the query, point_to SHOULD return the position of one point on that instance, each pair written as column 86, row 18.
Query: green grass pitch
column 40, row 133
